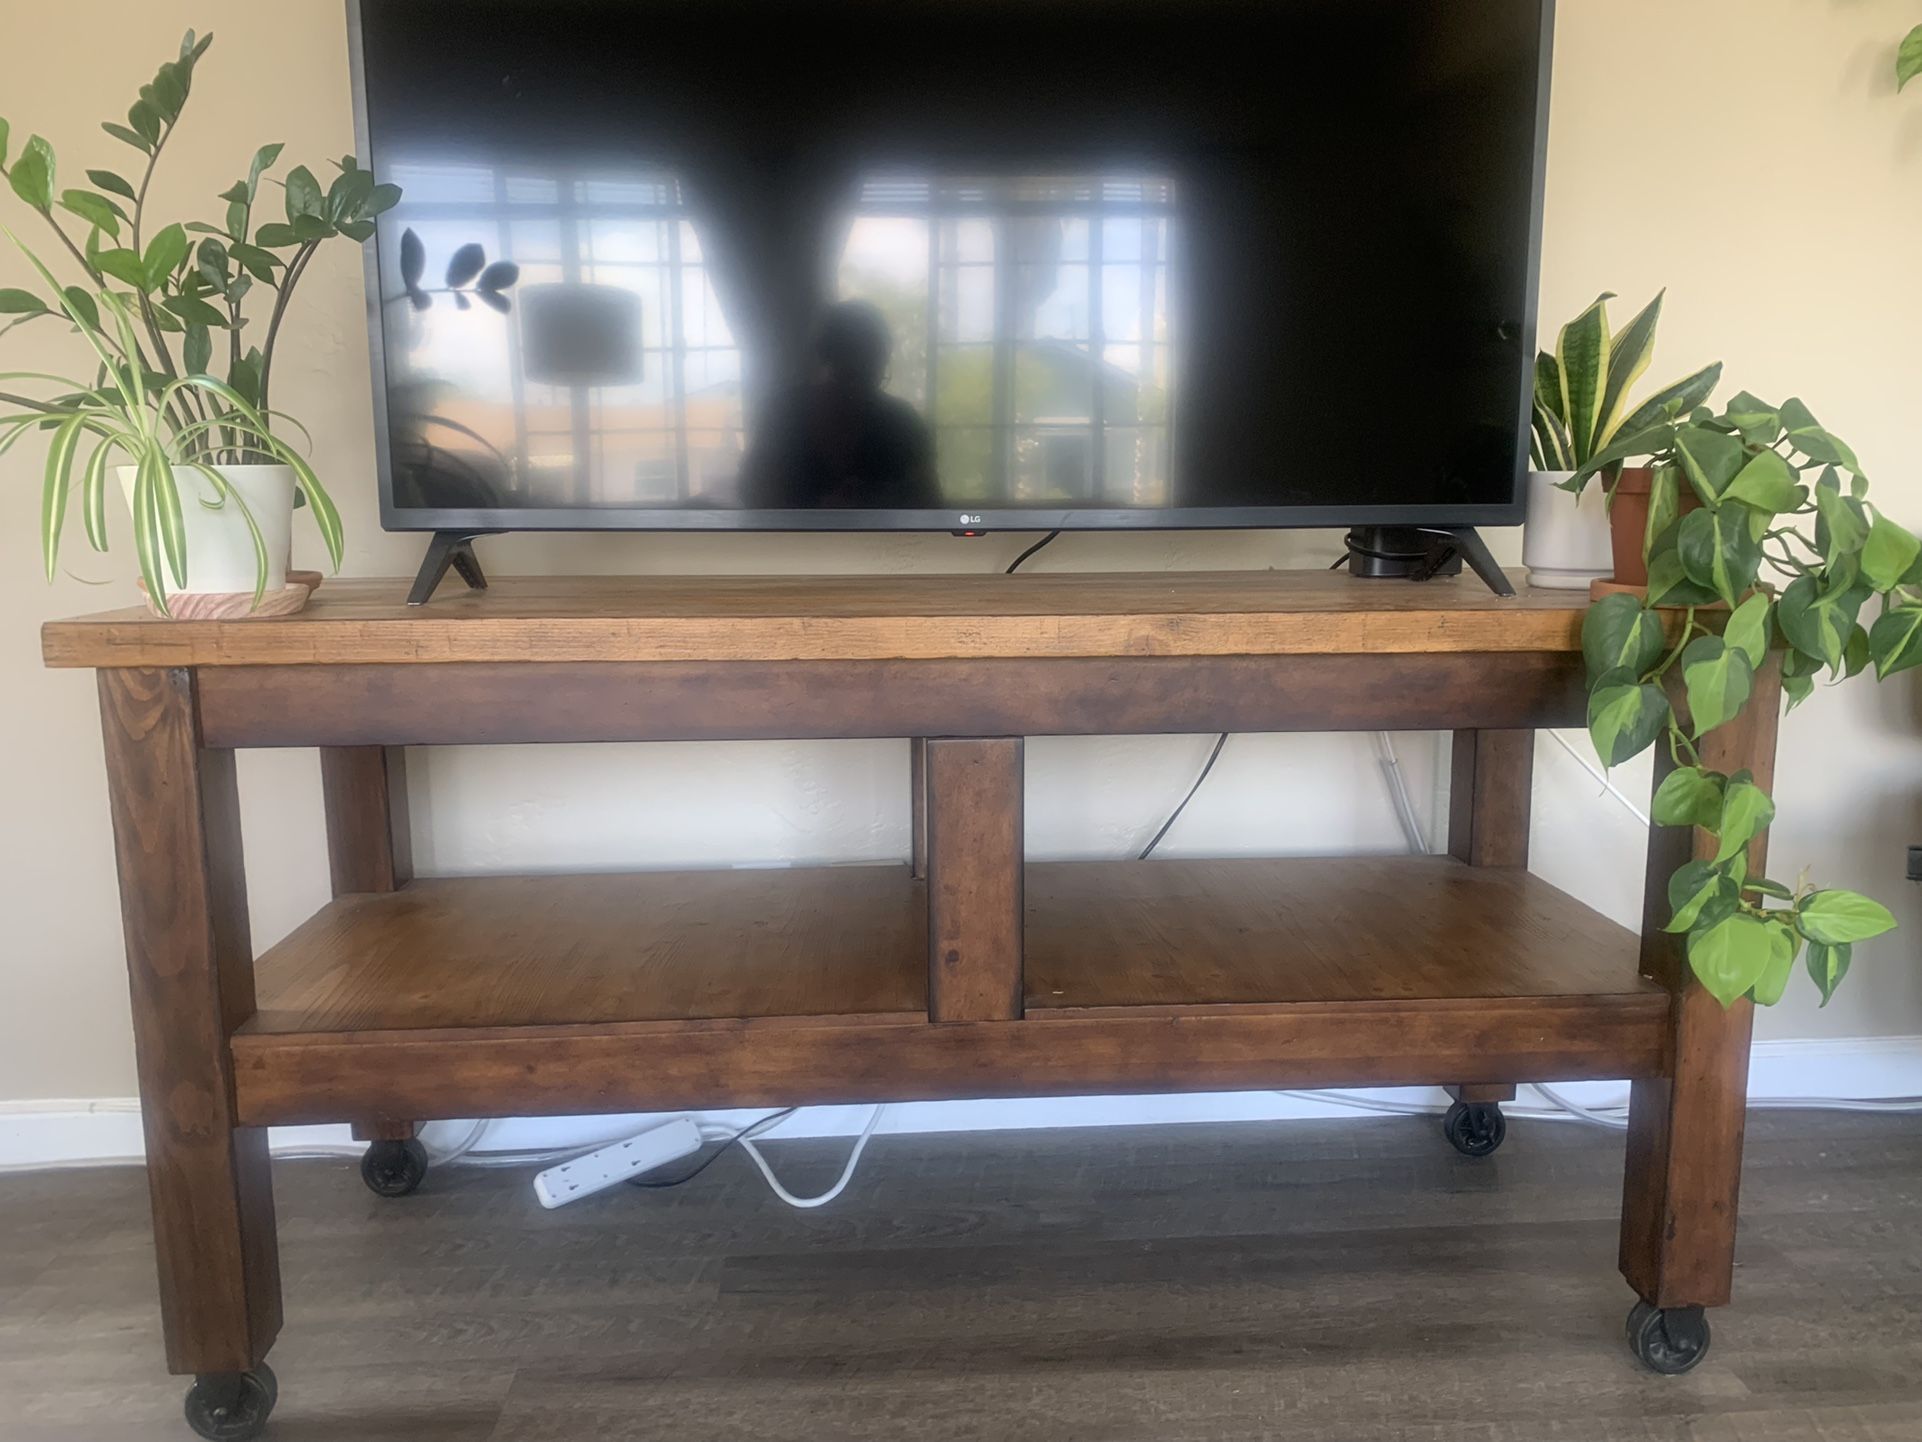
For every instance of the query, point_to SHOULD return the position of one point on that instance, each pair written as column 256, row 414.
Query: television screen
column 942, row 264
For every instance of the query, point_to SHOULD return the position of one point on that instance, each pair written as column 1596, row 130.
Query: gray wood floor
column 1326, row 1280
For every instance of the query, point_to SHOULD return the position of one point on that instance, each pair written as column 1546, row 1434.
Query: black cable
column 714, row 1156
column 1015, row 564
column 1213, row 756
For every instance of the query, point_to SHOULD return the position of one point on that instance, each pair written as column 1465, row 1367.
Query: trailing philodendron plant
column 1581, row 390
column 176, row 383
column 1755, row 497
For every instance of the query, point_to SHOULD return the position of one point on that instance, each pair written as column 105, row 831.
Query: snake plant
column 1581, row 389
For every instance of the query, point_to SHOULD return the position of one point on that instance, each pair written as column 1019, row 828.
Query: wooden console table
column 964, row 973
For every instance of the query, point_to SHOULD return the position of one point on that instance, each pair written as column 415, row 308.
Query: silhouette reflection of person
column 839, row 440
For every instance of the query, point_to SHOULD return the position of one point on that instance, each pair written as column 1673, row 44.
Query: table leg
column 1491, row 778
column 918, row 805
column 1685, row 1129
column 176, row 821
column 369, row 847
column 975, row 919
column 1489, row 799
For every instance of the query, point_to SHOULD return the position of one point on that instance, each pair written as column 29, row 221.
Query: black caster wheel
column 1668, row 1340
column 232, row 1406
column 1475, row 1129
column 393, row 1169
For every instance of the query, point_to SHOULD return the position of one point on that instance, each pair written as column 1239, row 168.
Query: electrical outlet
column 610, row 1166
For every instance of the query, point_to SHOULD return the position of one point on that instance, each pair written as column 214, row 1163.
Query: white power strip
column 610, row 1166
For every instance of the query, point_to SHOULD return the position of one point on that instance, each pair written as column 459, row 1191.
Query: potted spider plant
column 170, row 398
column 1581, row 407
column 1782, row 566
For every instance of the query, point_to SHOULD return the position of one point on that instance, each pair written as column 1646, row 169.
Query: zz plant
column 1756, row 497
column 181, row 371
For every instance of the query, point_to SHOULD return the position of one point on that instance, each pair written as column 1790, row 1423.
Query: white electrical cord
column 1577, row 1112
column 1603, row 781
column 1398, row 793
column 463, row 1148
column 847, row 1172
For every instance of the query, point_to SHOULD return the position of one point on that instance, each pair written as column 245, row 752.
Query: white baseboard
column 106, row 1131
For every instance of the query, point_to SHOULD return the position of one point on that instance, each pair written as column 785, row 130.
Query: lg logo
column 968, row 520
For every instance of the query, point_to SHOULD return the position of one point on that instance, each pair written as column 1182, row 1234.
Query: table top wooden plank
column 841, row 618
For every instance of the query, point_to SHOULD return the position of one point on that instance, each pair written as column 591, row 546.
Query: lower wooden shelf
column 561, row 993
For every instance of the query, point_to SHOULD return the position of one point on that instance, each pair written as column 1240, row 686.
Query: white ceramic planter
column 220, row 548
column 1565, row 542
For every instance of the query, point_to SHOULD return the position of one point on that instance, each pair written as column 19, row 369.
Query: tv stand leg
column 1475, row 551
column 448, row 548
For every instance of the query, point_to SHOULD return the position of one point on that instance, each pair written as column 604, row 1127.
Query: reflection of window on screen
column 673, row 435
column 1032, row 327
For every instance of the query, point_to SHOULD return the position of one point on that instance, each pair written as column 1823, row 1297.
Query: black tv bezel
column 1193, row 518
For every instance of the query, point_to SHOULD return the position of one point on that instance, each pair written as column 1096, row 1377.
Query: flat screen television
column 952, row 264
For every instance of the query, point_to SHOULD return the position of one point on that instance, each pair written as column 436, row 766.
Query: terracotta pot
column 1628, row 522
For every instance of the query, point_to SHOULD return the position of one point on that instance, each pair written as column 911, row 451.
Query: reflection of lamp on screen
column 580, row 335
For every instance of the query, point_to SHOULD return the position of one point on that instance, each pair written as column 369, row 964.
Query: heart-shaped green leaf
column 1664, row 505
column 1888, row 553
column 1624, row 719
column 1798, row 677
column 1710, row 459
column 1765, row 483
column 1746, row 814
column 1747, row 630
column 1837, row 917
column 1759, row 422
column 1699, row 890
column 1841, row 531
column 1774, row 980
column 1807, row 436
column 1689, row 796
column 1819, row 621
column 1828, row 965
column 1620, row 633
column 1731, row 956
column 1719, row 679
column 1719, row 550
column 1895, row 641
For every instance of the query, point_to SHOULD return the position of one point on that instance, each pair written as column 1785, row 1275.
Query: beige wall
column 1748, row 154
